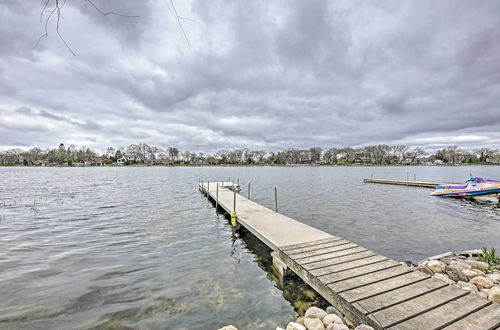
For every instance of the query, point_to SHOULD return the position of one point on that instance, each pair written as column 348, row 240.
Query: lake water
column 142, row 248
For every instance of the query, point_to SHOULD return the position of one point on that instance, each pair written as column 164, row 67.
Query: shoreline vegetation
column 144, row 155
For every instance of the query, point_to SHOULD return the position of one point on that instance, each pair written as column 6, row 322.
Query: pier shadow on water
column 300, row 295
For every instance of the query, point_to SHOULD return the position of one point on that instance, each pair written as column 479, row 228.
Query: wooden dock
column 366, row 286
column 405, row 183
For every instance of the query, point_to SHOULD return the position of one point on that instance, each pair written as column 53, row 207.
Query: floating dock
column 366, row 286
column 405, row 183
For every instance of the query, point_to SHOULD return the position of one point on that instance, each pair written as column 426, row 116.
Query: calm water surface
column 140, row 248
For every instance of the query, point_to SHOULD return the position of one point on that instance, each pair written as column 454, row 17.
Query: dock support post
column 415, row 177
column 208, row 189
column 276, row 198
column 202, row 187
column 234, row 215
column 249, row 190
column 217, row 197
column 279, row 265
column 238, row 186
column 407, row 179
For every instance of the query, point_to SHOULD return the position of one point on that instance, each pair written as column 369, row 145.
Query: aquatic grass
column 490, row 257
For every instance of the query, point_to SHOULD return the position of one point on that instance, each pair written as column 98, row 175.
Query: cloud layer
column 257, row 74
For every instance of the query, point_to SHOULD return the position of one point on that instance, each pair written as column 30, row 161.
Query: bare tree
column 52, row 9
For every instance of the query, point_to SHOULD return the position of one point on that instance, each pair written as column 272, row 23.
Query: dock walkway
column 366, row 286
column 405, row 183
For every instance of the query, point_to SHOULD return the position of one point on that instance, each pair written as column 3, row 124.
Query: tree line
column 143, row 153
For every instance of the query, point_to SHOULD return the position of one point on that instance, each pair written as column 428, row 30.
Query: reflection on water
column 122, row 248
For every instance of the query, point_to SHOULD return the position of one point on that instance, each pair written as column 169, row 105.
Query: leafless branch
column 59, row 4
column 108, row 12
column 179, row 24
column 43, row 10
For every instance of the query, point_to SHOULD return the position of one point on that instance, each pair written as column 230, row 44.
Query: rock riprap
column 318, row 319
column 466, row 272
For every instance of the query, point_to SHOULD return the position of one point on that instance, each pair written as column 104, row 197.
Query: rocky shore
column 318, row 319
column 466, row 271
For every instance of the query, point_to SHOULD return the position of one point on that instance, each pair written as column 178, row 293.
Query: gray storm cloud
column 257, row 74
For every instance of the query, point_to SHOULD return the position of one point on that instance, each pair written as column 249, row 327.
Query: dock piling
column 249, row 190
column 217, row 197
column 208, row 188
column 414, row 177
column 407, row 179
column 234, row 215
column 276, row 198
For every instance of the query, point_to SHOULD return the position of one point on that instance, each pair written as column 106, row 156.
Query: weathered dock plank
column 485, row 318
column 374, row 289
column 358, row 271
column 348, row 262
column 394, row 297
column 367, row 287
column 404, row 311
column 445, row 314
column 365, row 279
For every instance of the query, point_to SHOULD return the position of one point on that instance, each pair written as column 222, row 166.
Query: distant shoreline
column 261, row 165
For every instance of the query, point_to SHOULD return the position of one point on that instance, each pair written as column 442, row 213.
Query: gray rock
column 295, row 326
column 333, row 310
column 229, row 327
column 455, row 272
column 314, row 323
column 446, row 260
column 315, row 312
column 363, row 327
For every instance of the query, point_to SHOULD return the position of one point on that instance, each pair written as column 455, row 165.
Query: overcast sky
column 258, row 74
